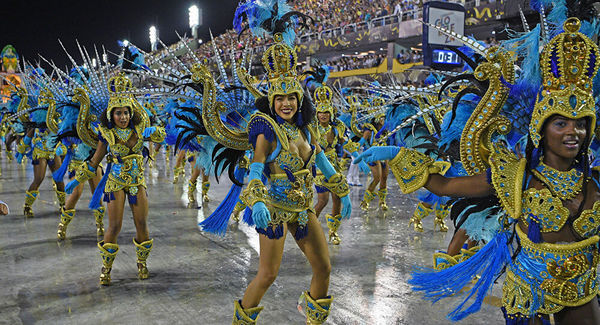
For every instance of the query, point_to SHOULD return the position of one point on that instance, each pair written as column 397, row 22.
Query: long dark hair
column 110, row 123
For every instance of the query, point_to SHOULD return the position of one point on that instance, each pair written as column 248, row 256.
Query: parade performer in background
column 39, row 141
column 372, row 132
column 331, row 132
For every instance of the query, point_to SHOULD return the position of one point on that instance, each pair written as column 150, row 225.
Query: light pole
column 153, row 33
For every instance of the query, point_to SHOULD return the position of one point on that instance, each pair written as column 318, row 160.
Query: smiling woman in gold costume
column 122, row 132
column 550, row 197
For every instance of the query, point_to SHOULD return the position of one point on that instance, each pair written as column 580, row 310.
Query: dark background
column 34, row 27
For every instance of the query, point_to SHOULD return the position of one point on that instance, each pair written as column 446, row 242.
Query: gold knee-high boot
column 177, row 171
column 441, row 212
column 205, row 188
column 61, row 197
column 317, row 310
column 191, row 193
column 142, row 251
column 108, row 251
column 30, row 197
column 333, row 223
column 420, row 212
column 246, row 316
column 369, row 196
column 99, row 216
column 383, row 192
column 65, row 218
column 167, row 154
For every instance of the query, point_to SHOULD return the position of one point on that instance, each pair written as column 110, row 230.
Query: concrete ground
column 196, row 276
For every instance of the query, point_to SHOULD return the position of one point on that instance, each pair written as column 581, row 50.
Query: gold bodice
column 540, row 204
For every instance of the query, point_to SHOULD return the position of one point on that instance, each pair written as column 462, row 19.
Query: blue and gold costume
column 543, row 278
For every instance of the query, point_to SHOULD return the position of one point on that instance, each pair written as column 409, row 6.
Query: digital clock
column 445, row 57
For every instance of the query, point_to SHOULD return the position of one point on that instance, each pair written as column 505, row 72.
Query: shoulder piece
column 341, row 129
column 314, row 133
column 107, row 135
column 507, row 178
column 261, row 123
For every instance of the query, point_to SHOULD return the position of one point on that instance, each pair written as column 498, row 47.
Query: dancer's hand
column 377, row 153
column 361, row 164
column 346, row 207
column 260, row 215
column 149, row 131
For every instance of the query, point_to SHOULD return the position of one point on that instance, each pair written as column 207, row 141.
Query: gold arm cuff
column 83, row 173
column 158, row 135
column 412, row 169
column 337, row 184
column 256, row 191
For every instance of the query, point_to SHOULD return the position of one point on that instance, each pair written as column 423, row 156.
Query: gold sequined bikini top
column 119, row 147
column 292, row 160
column 507, row 179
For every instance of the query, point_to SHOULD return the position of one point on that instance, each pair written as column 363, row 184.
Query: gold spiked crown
column 280, row 62
column 323, row 97
column 119, row 88
column 569, row 65
column 376, row 107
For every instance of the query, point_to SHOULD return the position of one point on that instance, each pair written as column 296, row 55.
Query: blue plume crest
column 268, row 17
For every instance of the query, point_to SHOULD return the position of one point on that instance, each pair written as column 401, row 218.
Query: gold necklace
column 290, row 130
column 123, row 134
column 564, row 185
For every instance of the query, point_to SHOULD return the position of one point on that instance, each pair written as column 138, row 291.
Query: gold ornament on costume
column 568, row 64
column 323, row 97
column 377, row 108
column 355, row 105
column 280, row 62
column 119, row 88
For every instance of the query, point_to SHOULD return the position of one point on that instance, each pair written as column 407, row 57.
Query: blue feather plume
column 488, row 263
column 216, row 223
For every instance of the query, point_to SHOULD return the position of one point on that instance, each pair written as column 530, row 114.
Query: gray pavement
column 194, row 276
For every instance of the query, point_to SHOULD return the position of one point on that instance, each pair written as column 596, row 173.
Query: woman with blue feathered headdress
column 123, row 128
column 77, row 151
column 545, row 196
column 285, row 151
column 39, row 142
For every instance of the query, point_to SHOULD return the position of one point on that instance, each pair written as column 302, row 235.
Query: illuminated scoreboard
column 437, row 46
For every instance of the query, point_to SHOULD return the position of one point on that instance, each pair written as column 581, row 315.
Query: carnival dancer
column 548, row 199
column 379, row 169
column 39, row 141
column 331, row 134
column 123, row 128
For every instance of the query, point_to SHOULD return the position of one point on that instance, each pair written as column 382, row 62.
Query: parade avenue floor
column 194, row 276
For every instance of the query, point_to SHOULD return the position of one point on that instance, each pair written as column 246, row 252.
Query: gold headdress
column 568, row 64
column 120, row 88
column 323, row 97
column 280, row 62
column 377, row 106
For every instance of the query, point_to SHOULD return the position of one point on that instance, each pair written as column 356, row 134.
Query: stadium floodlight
column 194, row 15
column 153, row 33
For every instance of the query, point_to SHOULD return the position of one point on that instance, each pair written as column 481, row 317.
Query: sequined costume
column 127, row 172
column 544, row 276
